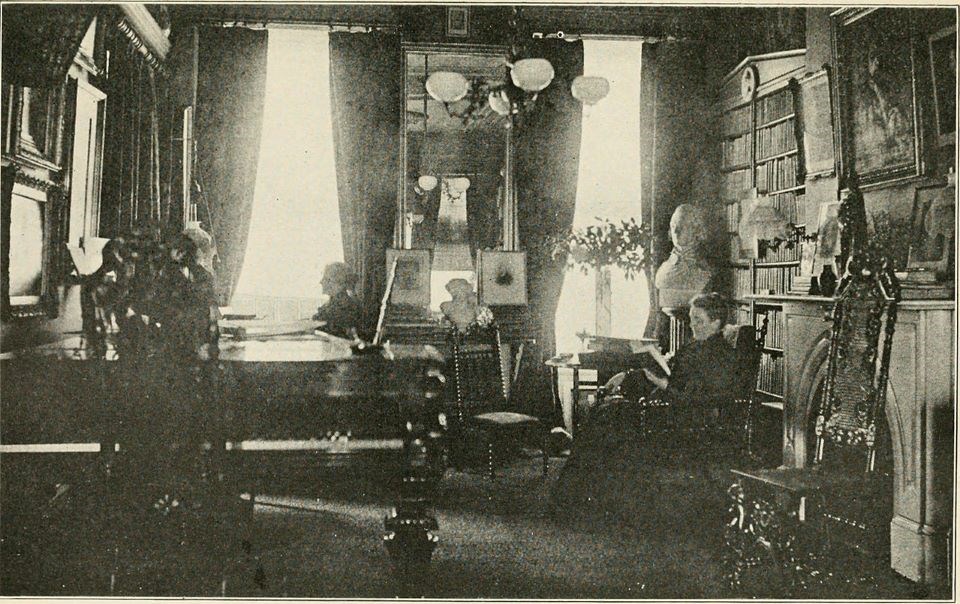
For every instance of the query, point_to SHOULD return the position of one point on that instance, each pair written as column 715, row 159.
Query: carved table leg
column 409, row 538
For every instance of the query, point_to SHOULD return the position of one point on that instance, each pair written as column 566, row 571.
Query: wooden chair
column 841, row 499
column 480, row 406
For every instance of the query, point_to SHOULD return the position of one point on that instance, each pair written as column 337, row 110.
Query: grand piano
column 114, row 422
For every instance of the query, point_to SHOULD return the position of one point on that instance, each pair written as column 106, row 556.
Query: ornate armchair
column 480, row 408
column 799, row 519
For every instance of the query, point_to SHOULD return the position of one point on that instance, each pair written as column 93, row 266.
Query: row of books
column 775, row 140
column 737, row 121
column 742, row 283
column 775, row 328
column 733, row 217
column 736, row 152
column 770, row 378
column 775, row 280
column 789, row 204
column 734, row 185
column 777, row 174
column 774, row 106
column 785, row 252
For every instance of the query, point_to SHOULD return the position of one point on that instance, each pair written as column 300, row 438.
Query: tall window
column 295, row 226
column 608, row 188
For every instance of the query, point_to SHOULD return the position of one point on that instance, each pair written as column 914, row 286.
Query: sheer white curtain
column 608, row 188
column 295, row 227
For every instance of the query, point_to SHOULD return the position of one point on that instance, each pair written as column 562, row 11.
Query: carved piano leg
column 409, row 538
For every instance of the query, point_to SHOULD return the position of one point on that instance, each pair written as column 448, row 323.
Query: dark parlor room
column 543, row 301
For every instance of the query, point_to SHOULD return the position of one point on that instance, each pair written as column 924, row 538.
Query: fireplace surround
column 919, row 412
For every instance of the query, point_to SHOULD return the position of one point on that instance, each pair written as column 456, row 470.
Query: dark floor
column 503, row 539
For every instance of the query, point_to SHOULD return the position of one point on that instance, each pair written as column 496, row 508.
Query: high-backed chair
column 798, row 517
column 480, row 406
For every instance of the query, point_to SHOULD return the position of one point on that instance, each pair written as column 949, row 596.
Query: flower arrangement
column 624, row 245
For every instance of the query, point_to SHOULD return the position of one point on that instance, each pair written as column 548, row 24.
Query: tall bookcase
column 762, row 156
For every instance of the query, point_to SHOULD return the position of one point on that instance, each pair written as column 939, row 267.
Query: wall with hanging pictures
column 894, row 120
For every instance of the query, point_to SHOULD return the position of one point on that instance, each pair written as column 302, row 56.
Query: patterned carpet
column 655, row 534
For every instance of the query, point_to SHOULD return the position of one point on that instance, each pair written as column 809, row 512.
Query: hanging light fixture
column 531, row 75
column 590, row 89
column 447, row 86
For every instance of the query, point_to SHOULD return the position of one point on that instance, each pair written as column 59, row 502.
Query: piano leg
column 409, row 536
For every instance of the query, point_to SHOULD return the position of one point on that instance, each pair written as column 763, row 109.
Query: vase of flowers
column 625, row 245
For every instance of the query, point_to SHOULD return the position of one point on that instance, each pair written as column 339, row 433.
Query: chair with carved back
column 801, row 519
column 480, row 407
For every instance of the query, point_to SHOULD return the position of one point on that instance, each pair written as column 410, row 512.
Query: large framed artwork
column 411, row 282
column 819, row 152
column 876, row 56
column 942, row 46
column 503, row 278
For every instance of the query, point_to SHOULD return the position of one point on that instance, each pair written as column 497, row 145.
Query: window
column 608, row 188
column 295, row 224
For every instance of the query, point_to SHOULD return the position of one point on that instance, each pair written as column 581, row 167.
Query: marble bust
column 685, row 273
column 462, row 309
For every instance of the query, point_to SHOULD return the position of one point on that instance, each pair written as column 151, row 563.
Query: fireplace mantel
column 919, row 411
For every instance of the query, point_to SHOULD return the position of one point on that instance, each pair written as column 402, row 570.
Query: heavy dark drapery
column 231, row 86
column 548, row 158
column 365, row 89
column 136, row 93
column 547, row 162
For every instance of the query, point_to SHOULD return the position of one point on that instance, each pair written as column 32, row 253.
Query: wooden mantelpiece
column 920, row 412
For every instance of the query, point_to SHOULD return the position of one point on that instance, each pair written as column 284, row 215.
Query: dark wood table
column 289, row 393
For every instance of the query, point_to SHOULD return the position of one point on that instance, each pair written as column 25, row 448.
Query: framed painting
column 877, row 93
column 933, row 230
column 411, row 282
column 503, row 278
column 458, row 21
column 942, row 47
column 818, row 147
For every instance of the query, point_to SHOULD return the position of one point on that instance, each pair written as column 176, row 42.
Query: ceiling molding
column 147, row 29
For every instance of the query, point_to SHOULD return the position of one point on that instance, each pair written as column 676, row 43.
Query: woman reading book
column 696, row 382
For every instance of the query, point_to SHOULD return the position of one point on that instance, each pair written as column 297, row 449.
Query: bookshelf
column 762, row 156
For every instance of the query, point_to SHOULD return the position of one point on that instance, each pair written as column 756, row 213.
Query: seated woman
column 343, row 312
column 702, row 378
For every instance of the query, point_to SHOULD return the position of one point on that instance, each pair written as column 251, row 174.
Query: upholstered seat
column 480, row 406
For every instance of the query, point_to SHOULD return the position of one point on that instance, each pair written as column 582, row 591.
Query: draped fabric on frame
column 365, row 88
column 231, row 88
column 131, row 187
column 547, row 161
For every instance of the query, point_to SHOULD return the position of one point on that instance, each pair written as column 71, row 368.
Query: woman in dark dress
column 343, row 312
column 609, row 445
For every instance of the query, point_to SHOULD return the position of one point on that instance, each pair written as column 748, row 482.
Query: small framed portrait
column 503, row 278
column 819, row 152
column 942, row 46
column 458, row 21
column 828, row 235
column 411, row 279
column 932, row 234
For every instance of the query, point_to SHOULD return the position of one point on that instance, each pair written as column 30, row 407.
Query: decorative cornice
column 137, row 43
column 147, row 30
